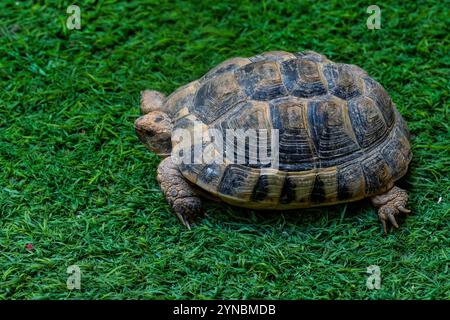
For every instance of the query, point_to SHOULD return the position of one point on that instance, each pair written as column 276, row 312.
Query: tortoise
column 340, row 137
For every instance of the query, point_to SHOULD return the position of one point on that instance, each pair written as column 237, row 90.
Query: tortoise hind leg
column 390, row 204
column 179, row 193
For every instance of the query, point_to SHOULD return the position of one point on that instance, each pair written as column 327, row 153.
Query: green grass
column 77, row 184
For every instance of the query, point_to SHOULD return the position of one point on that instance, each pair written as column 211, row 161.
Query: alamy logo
column 74, row 278
column 74, row 20
column 374, row 280
column 204, row 145
column 374, row 20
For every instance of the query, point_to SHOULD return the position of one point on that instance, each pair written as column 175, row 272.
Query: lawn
column 78, row 188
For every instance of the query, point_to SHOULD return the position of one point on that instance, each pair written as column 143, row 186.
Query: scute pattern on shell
column 340, row 136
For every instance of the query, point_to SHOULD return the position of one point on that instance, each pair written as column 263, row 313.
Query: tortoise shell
column 340, row 137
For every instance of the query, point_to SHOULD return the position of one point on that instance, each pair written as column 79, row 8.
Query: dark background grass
column 77, row 184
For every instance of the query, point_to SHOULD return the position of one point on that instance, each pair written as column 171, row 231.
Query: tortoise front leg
column 390, row 204
column 179, row 193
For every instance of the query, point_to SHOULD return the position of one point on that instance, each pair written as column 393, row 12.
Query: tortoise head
column 155, row 130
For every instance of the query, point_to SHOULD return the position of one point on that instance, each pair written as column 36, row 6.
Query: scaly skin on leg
column 179, row 193
column 390, row 204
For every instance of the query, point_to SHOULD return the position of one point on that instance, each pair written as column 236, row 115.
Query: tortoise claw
column 383, row 222
column 183, row 219
column 403, row 209
column 387, row 214
column 392, row 220
column 186, row 210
